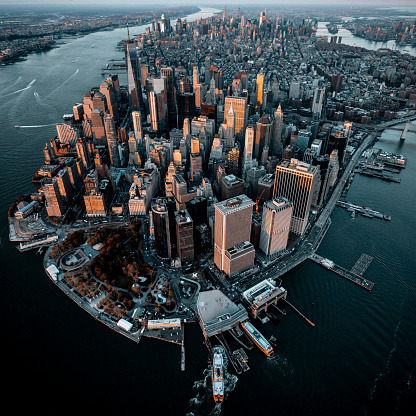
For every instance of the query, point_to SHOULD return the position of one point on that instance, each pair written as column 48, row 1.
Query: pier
column 366, row 211
column 379, row 175
column 182, row 357
column 362, row 264
column 347, row 274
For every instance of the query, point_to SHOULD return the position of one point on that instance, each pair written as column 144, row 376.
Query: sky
column 207, row 3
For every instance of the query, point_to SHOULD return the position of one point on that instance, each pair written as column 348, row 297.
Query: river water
column 359, row 359
column 349, row 39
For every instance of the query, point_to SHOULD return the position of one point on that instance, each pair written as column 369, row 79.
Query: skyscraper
column 54, row 204
column 263, row 133
column 260, row 85
column 317, row 101
column 241, row 113
column 110, row 130
column 233, row 251
column 275, row 225
column 296, row 181
column 184, row 235
column 133, row 75
column 169, row 74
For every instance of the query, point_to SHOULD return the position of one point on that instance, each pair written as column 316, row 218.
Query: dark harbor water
column 359, row 359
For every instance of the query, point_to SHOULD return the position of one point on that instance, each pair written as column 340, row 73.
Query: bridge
column 388, row 125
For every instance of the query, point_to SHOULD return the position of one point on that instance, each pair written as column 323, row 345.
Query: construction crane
column 257, row 201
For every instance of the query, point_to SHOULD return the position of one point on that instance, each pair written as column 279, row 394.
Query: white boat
column 218, row 377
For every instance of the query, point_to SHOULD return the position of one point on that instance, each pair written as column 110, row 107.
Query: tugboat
column 218, row 376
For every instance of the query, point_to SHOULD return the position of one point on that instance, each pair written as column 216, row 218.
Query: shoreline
column 22, row 56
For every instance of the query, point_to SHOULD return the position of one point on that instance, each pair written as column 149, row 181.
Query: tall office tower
column 197, row 208
column 196, row 166
column 242, row 24
column 294, row 90
column 194, row 145
column 265, row 187
column 334, row 162
column 216, row 148
column 97, row 127
column 275, row 225
column 296, row 181
column 203, row 122
column 185, row 85
column 53, row 198
column 337, row 141
column 227, row 130
column 262, row 17
column 107, row 90
column 198, row 95
column 233, row 157
column 260, row 86
column 158, row 116
column 99, row 101
column 144, row 73
column 207, row 70
column 233, row 251
column 186, row 107
column 275, row 90
column 95, row 203
column 184, row 235
column 133, row 75
column 169, row 179
column 177, row 157
column 317, row 101
column 231, row 186
column 178, row 27
column 169, row 74
column 195, row 75
column 78, row 111
column 264, row 155
column 64, row 184
column 111, row 134
column 163, row 210
column 317, row 146
column 304, row 139
column 263, row 133
column 137, row 125
column 248, row 160
column 240, row 108
column 325, row 172
column 82, row 153
column 74, row 176
column 113, row 80
column 67, row 134
column 336, row 83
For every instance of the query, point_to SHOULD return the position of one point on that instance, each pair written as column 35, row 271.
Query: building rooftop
column 217, row 312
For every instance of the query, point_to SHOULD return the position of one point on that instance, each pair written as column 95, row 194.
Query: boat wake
column 36, row 127
column 386, row 367
column 203, row 403
column 67, row 80
column 21, row 90
column 405, row 390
